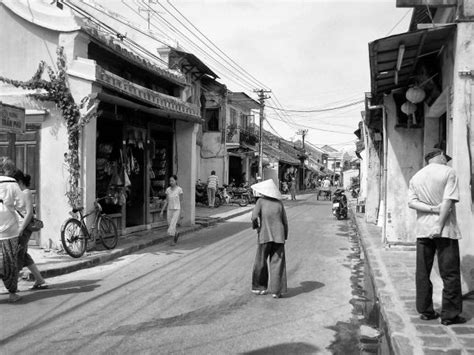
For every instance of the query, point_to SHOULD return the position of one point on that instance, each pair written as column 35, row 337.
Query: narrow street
column 195, row 297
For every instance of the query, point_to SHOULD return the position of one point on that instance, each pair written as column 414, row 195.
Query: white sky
column 312, row 54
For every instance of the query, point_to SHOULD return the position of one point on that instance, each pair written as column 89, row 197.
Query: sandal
column 42, row 286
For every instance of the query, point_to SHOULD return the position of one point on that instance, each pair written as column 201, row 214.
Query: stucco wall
column 186, row 166
column 23, row 45
column 462, row 116
column 404, row 159
column 212, row 156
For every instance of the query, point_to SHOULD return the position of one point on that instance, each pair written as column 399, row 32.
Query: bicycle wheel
column 74, row 238
column 107, row 231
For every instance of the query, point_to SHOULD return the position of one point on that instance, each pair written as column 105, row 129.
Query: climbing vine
column 57, row 90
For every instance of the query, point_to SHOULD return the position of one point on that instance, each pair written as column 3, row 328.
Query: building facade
column 144, row 128
column 421, row 97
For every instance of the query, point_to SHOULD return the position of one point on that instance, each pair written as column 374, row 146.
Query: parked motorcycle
column 236, row 195
column 354, row 189
column 339, row 204
column 201, row 195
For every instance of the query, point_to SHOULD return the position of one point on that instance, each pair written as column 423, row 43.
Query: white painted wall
column 405, row 158
column 462, row 115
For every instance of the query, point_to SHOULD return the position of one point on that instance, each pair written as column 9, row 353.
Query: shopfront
column 134, row 161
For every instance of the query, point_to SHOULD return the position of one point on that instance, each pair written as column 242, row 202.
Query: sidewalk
column 393, row 274
column 53, row 263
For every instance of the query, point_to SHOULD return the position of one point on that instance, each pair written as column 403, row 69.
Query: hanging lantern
column 415, row 94
column 408, row 108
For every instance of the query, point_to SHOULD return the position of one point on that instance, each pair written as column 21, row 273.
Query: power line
column 321, row 110
column 176, row 30
column 210, row 41
column 406, row 13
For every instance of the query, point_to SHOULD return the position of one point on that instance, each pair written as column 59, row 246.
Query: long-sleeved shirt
column 271, row 217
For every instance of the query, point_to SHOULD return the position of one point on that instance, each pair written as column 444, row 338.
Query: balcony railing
column 238, row 135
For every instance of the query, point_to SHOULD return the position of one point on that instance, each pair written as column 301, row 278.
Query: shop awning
column 117, row 100
column 393, row 59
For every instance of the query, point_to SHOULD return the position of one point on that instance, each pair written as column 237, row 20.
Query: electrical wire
column 210, row 41
column 111, row 30
column 399, row 21
column 321, row 110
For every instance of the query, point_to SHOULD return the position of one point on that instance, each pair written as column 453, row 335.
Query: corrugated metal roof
column 384, row 54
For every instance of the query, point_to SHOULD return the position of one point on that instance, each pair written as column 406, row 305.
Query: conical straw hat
column 267, row 188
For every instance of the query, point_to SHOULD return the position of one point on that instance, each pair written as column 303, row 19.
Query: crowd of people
column 16, row 214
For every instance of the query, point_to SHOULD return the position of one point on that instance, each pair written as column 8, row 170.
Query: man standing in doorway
column 212, row 183
column 433, row 193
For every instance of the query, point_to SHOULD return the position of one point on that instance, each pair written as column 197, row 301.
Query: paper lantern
column 408, row 108
column 415, row 94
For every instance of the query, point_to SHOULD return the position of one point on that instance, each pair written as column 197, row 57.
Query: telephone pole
column 148, row 11
column 303, row 133
column 261, row 98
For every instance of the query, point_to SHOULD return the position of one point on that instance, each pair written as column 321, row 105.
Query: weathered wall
column 463, row 150
column 186, row 166
column 372, row 203
column 23, row 45
column 212, row 156
column 404, row 159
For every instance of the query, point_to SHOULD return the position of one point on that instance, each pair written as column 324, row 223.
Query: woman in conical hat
column 269, row 218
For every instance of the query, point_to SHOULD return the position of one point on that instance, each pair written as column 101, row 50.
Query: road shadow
column 284, row 349
column 305, row 287
column 206, row 237
column 54, row 290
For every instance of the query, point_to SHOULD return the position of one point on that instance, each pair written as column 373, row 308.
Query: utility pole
column 303, row 133
column 261, row 98
column 148, row 10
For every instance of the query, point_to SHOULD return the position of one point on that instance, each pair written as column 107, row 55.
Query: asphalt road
column 194, row 298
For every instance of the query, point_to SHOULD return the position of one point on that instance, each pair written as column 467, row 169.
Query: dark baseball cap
column 434, row 152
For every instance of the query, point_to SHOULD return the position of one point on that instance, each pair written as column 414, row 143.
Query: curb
column 117, row 253
column 394, row 325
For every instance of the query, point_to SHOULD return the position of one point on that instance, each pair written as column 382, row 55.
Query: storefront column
column 185, row 166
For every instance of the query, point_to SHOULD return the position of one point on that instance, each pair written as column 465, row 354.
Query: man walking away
column 433, row 193
column 212, row 183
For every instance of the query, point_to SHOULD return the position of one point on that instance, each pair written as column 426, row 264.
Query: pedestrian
column 269, row 218
column 26, row 213
column 292, row 184
column 212, row 184
column 173, row 202
column 10, row 228
column 433, row 192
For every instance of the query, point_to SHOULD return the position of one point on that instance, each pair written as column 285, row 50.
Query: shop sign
column 12, row 119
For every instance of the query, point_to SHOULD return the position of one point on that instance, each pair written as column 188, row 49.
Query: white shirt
column 431, row 185
column 173, row 197
column 11, row 197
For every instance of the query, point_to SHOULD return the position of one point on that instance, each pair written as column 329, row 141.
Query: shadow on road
column 285, row 348
column 305, row 287
column 55, row 290
column 206, row 237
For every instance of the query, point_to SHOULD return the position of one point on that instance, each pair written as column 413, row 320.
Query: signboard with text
column 12, row 119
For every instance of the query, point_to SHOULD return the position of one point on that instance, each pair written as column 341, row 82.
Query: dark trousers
column 448, row 263
column 275, row 254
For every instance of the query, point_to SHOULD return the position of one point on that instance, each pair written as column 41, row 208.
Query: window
column 212, row 119
column 244, row 119
column 233, row 116
column 338, row 164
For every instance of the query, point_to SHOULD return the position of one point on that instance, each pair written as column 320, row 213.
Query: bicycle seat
column 77, row 209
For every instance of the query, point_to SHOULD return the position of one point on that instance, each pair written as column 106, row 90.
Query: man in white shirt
column 433, row 192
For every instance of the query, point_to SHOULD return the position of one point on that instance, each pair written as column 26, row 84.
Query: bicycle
column 75, row 234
